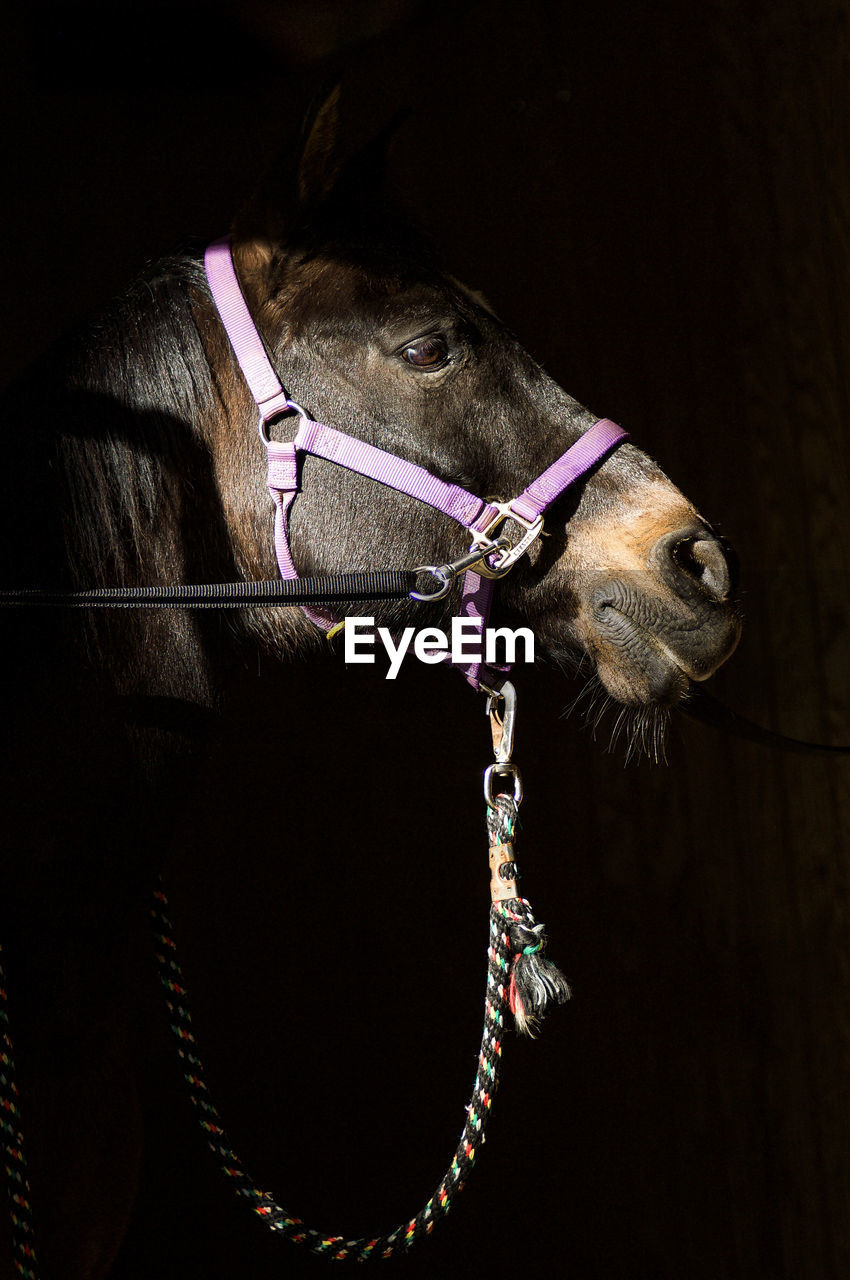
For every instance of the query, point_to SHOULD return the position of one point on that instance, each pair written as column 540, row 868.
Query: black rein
column 340, row 588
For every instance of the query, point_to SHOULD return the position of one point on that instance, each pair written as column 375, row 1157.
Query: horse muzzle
column 655, row 630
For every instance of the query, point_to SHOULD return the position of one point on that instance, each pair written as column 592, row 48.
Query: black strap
column 701, row 706
column 340, row 588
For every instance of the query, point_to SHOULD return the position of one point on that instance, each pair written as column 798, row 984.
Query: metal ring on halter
column 263, row 423
column 502, row 769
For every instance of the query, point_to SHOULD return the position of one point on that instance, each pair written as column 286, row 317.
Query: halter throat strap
column 472, row 512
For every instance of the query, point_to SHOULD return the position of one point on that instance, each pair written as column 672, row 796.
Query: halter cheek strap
column 476, row 515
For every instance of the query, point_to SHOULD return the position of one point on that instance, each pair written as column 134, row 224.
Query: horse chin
column 656, row 681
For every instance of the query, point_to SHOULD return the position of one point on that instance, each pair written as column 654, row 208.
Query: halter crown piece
column 482, row 519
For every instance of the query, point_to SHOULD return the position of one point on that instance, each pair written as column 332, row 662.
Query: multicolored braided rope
column 23, row 1241
column 515, row 937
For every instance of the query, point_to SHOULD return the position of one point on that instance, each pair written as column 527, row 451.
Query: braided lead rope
column 518, row 978
column 262, row 1202
column 23, row 1245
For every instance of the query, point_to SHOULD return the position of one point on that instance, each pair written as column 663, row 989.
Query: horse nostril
column 697, row 555
column 703, row 560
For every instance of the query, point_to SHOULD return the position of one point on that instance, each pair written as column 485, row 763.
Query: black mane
column 113, row 482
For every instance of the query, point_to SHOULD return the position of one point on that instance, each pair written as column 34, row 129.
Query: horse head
column 373, row 339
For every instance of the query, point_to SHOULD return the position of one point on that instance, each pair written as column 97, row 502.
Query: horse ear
column 361, row 181
column 319, row 164
column 303, row 177
column 326, row 174
column 319, row 177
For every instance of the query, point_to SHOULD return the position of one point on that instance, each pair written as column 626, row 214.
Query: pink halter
column 479, row 517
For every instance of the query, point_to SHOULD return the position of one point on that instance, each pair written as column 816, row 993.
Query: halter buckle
column 501, row 562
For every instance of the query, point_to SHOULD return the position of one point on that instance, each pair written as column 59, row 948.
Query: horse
column 141, row 463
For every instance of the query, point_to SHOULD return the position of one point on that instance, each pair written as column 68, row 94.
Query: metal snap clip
column 446, row 573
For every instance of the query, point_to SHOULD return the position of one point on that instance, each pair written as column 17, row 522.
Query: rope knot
column 535, row 982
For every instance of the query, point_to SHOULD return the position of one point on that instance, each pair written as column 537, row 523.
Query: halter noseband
column 482, row 519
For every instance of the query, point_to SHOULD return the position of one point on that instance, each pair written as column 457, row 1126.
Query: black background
column 655, row 197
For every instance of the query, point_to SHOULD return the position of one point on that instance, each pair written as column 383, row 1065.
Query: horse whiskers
column 621, row 720
column 573, row 663
column 647, row 728
column 644, row 729
column 597, row 700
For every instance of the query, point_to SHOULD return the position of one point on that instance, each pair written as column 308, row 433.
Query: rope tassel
column 534, row 982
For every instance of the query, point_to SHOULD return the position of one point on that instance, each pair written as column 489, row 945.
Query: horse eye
column 427, row 353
